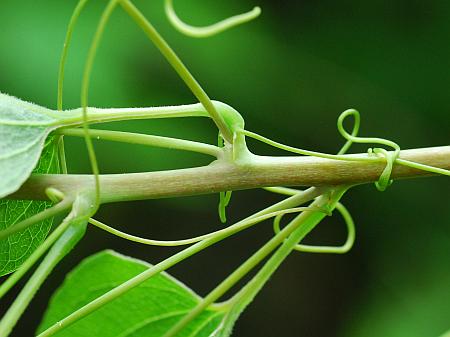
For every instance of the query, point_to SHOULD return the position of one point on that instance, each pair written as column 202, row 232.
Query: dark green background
column 290, row 73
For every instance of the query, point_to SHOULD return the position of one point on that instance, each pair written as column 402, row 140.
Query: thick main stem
column 226, row 176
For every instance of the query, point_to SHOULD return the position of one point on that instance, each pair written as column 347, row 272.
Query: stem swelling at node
column 164, row 48
column 390, row 157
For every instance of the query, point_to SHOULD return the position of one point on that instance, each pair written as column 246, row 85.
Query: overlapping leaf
column 148, row 310
column 23, row 129
column 17, row 247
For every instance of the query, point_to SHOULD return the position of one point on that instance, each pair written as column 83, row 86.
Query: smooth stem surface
column 149, row 140
column 103, row 115
column 299, row 227
column 179, row 67
column 226, row 176
column 184, row 254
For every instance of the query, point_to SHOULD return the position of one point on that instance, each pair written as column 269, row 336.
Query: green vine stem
column 149, row 140
column 179, row 67
column 67, row 235
column 293, row 201
column 309, row 220
column 224, row 176
column 319, row 249
column 294, row 232
column 172, row 243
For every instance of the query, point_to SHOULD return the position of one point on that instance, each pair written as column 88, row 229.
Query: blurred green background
column 290, row 73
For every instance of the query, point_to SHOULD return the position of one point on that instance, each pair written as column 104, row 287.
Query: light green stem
column 308, row 222
column 210, row 30
column 308, row 152
column 61, row 72
column 344, row 248
column 156, row 269
column 179, row 67
column 423, row 167
column 62, row 155
column 85, row 93
column 62, row 62
column 150, row 140
column 64, row 244
column 171, row 243
column 103, row 115
column 314, row 248
column 296, row 230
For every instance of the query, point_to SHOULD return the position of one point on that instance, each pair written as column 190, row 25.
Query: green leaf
column 148, row 310
column 15, row 249
column 23, row 129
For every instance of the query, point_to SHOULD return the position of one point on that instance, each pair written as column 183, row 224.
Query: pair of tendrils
column 350, row 225
column 384, row 180
column 390, row 157
column 206, row 31
column 57, row 196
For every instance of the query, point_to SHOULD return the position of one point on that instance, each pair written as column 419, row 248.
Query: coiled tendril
column 384, row 180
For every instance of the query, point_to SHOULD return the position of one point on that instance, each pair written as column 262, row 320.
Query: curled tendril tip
column 207, row 31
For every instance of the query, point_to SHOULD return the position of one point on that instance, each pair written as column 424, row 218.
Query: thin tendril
column 318, row 249
column 356, row 124
column 302, row 151
column 207, row 31
column 423, row 167
column 62, row 65
column 178, row 66
column 84, row 96
column 172, row 243
column 224, row 200
column 389, row 157
column 63, row 60
column 282, row 190
column 384, row 181
column 288, row 237
column 144, row 139
column 99, row 302
column 326, row 249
